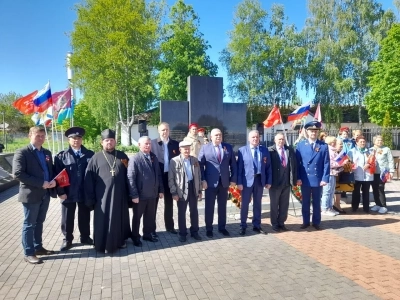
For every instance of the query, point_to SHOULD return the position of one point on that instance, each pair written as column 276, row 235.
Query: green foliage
column 384, row 82
column 114, row 57
column 262, row 56
column 183, row 53
column 16, row 121
column 128, row 149
column 386, row 132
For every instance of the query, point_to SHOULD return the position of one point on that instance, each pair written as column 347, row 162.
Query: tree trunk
column 129, row 128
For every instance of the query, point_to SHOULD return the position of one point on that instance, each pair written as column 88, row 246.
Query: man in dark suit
column 33, row 168
column 254, row 173
column 312, row 173
column 165, row 149
column 74, row 161
column 218, row 171
column 284, row 175
column 145, row 185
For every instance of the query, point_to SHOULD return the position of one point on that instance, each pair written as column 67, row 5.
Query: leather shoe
column 259, row 230
column 304, row 226
column 173, row 230
column 275, row 228
column 182, row 238
column 87, row 241
column 154, row 234
column 224, row 232
column 209, row 234
column 137, row 243
column 317, row 227
column 44, row 251
column 32, row 259
column 66, row 245
column 150, row 239
column 196, row 236
column 283, row 228
column 242, row 231
column 123, row 246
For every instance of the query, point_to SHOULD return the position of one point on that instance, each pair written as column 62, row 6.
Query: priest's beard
column 109, row 148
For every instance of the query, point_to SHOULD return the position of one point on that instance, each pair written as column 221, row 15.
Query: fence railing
column 368, row 133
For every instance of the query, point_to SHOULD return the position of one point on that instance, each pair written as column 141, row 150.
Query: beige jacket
column 196, row 144
column 177, row 179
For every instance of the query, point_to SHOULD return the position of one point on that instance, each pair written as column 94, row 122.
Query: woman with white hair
column 384, row 164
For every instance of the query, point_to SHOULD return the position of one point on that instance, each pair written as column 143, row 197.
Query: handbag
column 346, row 177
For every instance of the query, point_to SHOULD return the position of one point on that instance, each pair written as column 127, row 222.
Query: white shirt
column 258, row 157
column 284, row 154
column 220, row 151
column 188, row 168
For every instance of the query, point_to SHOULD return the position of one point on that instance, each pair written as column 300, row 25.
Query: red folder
column 62, row 178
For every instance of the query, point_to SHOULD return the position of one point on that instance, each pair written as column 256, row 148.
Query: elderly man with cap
column 193, row 138
column 106, row 188
column 312, row 173
column 165, row 149
column 184, row 179
column 74, row 161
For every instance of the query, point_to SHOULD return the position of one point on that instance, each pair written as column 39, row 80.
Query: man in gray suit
column 33, row 168
column 184, row 179
column 284, row 175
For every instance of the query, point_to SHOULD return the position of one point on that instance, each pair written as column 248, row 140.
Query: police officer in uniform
column 312, row 173
column 75, row 161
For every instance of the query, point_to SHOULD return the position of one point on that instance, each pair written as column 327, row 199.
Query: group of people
column 109, row 183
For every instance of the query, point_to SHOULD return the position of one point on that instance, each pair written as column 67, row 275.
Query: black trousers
column 168, row 206
column 279, row 204
column 378, row 189
column 194, row 213
column 145, row 208
column 68, row 217
column 355, row 200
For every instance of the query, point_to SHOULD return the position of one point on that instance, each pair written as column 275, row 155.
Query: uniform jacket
column 313, row 165
column 276, row 165
column 29, row 172
column 177, row 177
column 145, row 179
column 76, row 168
column 246, row 169
column 211, row 169
column 360, row 159
column 157, row 148
column 195, row 146
column 384, row 159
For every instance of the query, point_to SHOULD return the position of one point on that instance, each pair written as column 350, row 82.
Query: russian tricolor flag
column 300, row 112
column 43, row 99
column 342, row 156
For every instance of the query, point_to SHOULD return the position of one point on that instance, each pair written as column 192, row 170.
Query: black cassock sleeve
column 90, row 184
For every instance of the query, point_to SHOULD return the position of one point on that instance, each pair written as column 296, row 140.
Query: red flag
column 61, row 100
column 318, row 115
column 25, row 104
column 62, row 178
column 273, row 118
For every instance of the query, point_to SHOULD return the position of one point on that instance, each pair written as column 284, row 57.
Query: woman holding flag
column 383, row 172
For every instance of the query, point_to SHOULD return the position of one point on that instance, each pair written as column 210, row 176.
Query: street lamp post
column 4, row 130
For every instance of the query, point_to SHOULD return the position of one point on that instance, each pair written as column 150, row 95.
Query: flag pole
column 62, row 138
column 47, row 137
column 283, row 128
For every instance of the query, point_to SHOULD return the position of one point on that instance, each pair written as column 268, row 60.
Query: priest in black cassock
column 106, row 188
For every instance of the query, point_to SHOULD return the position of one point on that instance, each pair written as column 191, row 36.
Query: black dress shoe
column 275, row 228
column 87, row 241
column 32, row 259
column 173, row 230
column 66, row 245
column 182, row 238
column 242, row 231
column 209, row 234
column 123, row 246
column 196, row 236
column 137, row 243
column 44, row 251
column 259, row 230
column 150, row 239
column 317, row 227
column 283, row 228
column 154, row 234
column 224, row 232
column 304, row 226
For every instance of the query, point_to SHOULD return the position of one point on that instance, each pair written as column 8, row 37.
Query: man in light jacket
column 184, row 180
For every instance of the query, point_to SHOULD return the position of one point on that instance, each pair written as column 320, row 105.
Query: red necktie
column 283, row 157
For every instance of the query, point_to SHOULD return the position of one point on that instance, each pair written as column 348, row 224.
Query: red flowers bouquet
column 296, row 191
column 235, row 195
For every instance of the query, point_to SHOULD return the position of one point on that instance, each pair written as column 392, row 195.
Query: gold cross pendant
column 112, row 171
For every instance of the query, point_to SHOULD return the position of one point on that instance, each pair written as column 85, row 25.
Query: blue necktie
column 255, row 161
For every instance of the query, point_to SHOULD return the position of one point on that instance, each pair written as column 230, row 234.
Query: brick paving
column 356, row 256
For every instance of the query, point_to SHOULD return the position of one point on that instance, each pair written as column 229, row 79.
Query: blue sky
column 34, row 37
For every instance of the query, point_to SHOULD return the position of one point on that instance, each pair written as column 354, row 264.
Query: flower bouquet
column 235, row 195
column 296, row 191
